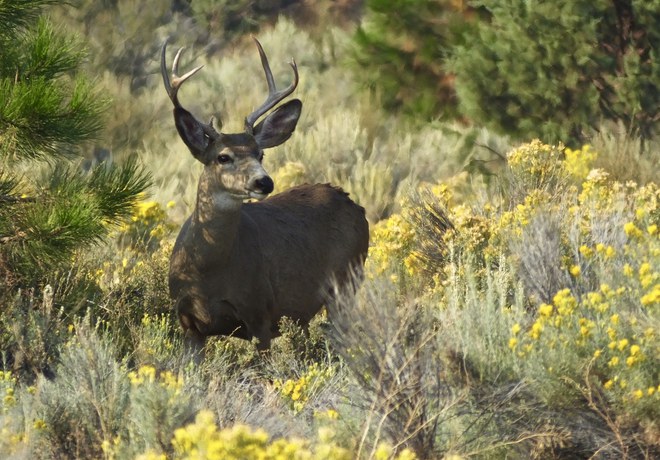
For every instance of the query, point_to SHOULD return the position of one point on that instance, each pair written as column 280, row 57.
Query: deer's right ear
column 192, row 133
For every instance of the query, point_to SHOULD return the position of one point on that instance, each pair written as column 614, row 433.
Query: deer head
column 232, row 162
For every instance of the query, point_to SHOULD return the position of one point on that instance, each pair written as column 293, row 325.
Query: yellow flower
column 513, row 343
column 613, row 362
column 631, row 230
column 610, row 252
column 652, row 229
column 171, row 204
column 638, row 394
column 545, row 310
column 586, row 251
column 627, row 270
column 537, row 328
column 515, row 329
column 597, row 353
column 650, row 391
column 634, row 350
column 9, row 400
column 652, row 297
column 614, row 319
column 575, row 270
column 39, row 424
column 623, row 343
column 630, row 361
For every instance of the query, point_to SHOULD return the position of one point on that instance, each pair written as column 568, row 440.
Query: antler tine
column 172, row 87
column 274, row 96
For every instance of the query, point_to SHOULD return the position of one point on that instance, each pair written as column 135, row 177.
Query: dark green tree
column 49, row 207
column 557, row 69
column 401, row 48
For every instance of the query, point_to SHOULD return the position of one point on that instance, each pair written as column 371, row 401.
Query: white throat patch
column 225, row 201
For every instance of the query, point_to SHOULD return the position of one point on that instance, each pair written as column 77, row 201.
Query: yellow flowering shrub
column 579, row 162
column 298, row 391
column 157, row 342
column 392, row 248
column 146, row 376
column 7, row 390
column 289, row 175
column 609, row 328
column 131, row 264
column 202, row 440
column 148, row 225
column 537, row 166
column 17, row 427
column 605, row 309
column 158, row 404
column 600, row 330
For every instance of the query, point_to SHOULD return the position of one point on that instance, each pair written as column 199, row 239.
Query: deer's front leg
column 194, row 343
column 194, row 339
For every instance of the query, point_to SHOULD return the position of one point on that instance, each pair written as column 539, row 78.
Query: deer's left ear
column 279, row 125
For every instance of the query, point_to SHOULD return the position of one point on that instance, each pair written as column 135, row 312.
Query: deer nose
column 264, row 185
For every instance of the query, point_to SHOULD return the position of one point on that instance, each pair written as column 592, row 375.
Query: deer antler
column 274, row 96
column 172, row 87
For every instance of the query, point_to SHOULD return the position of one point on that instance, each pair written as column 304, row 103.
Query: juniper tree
column 401, row 49
column 49, row 110
column 555, row 69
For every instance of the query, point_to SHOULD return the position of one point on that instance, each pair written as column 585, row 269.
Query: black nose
column 264, row 185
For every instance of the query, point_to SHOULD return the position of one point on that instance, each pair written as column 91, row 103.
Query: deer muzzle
column 260, row 187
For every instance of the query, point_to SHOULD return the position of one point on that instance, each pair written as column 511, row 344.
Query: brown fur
column 278, row 261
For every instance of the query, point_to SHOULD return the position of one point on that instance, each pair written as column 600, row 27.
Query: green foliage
column 44, row 113
column 47, row 111
column 227, row 19
column 66, row 211
column 400, row 51
column 539, row 69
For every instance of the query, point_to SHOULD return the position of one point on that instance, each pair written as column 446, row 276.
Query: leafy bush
column 538, row 69
column 400, row 49
column 579, row 316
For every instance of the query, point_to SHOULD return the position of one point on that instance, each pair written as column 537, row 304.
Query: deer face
column 235, row 165
column 233, row 161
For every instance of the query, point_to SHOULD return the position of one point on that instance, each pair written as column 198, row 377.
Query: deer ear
column 192, row 133
column 279, row 125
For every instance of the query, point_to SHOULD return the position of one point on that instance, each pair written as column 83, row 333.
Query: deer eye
column 223, row 158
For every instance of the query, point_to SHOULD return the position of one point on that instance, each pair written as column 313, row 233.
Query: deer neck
column 216, row 217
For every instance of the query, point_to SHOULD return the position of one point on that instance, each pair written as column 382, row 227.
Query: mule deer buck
column 237, row 268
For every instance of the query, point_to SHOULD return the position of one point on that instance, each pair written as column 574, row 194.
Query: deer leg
column 193, row 339
column 261, row 331
column 194, row 343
